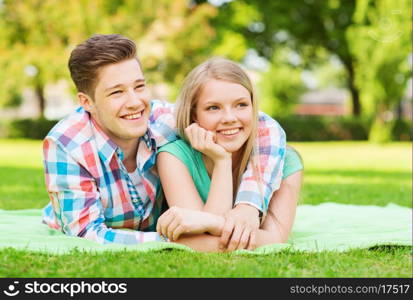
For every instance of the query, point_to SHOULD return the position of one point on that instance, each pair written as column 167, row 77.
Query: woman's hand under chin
column 204, row 141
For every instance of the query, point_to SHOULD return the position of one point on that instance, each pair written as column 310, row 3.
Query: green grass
column 344, row 172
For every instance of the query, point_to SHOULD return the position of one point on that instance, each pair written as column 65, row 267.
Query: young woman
column 217, row 117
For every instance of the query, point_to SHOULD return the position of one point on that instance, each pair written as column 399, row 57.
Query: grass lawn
column 343, row 172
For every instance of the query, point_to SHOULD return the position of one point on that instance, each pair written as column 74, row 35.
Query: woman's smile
column 225, row 108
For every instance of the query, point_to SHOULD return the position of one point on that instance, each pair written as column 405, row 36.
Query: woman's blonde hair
column 219, row 69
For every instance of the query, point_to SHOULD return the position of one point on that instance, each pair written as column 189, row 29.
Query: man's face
column 121, row 105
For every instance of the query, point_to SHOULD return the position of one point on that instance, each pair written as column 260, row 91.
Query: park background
column 336, row 74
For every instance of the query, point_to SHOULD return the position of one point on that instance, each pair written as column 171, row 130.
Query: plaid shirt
column 92, row 195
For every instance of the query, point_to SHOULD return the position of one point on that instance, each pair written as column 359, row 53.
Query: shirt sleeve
column 162, row 122
column 269, row 153
column 76, row 201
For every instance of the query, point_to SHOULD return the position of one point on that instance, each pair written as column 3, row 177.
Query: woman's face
column 225, row 108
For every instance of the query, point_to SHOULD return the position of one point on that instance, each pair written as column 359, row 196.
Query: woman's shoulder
column 182, row 150
column 177, row 145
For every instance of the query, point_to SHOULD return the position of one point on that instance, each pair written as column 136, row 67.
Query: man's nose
column 135, row 98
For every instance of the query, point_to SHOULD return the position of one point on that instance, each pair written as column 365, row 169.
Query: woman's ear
column 193, row 116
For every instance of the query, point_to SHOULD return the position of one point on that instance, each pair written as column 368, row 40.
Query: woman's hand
column 204, row 141
column 177, row 221
column 241, row 225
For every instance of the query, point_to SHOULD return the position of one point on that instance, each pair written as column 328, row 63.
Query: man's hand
column 177, row 221
column 240, row 226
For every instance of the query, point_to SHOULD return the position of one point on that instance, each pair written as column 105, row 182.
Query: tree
column 381, row 44
column 37, row 36
column 310, row 28
column 281, row 84
column 317, row 30
column 35, row 44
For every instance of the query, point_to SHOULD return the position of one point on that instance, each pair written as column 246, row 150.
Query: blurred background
column 325, row 69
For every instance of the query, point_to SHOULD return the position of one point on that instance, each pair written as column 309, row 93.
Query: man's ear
column 85, row 101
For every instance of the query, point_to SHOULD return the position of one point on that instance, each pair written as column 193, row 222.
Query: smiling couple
column 210, row 172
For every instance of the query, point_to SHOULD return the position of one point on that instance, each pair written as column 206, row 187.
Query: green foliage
column 230, row 41
column 380, row 131
column 402, row 130
column 281, row 85
column 371, row 39
column 381, row 44
column 320, row 128
column 30, row 128
column 314, row 30
column 326, row 128
column 385, row 131
column 172, row 38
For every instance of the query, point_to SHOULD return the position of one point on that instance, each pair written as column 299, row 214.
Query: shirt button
column 135, row 200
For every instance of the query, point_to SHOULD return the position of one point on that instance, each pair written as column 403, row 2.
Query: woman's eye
column 212, row 107
column 139, row 87
column 242, row 104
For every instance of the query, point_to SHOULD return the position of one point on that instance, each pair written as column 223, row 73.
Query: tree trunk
column 355, row 93
column 399, row 110
column 39, row 90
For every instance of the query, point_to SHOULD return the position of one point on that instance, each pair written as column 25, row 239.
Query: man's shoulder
column 162, row 122
column 266, row 122
column 73, row 130
column 161, row 109
column 263, row 117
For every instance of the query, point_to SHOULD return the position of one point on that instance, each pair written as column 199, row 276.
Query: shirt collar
column 107, row 148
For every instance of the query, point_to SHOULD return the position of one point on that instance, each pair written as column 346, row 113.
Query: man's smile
column 133, row 116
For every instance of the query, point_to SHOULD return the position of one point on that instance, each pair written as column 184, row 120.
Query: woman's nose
column 229, row 116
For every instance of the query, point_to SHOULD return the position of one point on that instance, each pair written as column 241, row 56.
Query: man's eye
column 115, row 92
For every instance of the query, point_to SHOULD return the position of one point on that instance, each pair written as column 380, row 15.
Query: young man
column 100, row 160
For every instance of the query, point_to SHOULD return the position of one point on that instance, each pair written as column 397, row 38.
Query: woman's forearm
column 201, row 242
column 214, row 224
column 266, row 237
column 210, row 243
column 220, row 194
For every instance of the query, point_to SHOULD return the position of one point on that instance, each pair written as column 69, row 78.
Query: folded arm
column 275, row 228
column 259, row 181
column 281, row 213
column 180, row 190
column 76, row 201
column 269, row 153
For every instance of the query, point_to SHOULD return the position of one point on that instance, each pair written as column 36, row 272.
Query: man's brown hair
column 97, row 51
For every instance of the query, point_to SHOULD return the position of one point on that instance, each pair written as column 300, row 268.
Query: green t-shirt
column 292, row 162
column 192, row 159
